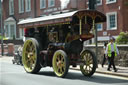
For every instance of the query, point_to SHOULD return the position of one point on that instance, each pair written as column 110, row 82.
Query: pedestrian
column 104, row 56
column 111, row 52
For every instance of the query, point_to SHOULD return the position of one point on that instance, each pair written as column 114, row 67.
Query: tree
column 122, row 38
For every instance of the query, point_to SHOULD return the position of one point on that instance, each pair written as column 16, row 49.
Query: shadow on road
column 95, row 78
column 78, row 76
column 47, row 73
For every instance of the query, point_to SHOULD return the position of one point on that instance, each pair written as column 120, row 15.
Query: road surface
column 11, row 74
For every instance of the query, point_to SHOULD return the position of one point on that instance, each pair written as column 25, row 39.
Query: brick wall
column 125, row 15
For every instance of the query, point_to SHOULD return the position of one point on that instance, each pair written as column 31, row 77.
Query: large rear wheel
column 60, row 63
column 30, row 58
column 90, row 63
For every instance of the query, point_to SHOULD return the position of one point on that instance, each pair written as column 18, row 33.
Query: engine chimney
column 92, row 4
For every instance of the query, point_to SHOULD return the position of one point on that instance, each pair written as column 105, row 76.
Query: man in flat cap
column 111, row 52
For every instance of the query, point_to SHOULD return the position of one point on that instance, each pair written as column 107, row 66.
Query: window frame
column 49, row 3
column 42, row 7
column 101, row 26
column 20, row 6
column 21, row 35
column 99, row 3
column 26, row 5
column 13, row 31
column 110, row 2
column 11, row 9
column 108, row 20
column 9, row 30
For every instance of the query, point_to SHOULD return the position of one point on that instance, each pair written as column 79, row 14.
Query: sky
column 64, row 3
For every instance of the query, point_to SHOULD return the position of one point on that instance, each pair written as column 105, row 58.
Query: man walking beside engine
column 111, row 52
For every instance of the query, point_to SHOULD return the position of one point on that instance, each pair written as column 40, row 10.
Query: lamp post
column 2, row 50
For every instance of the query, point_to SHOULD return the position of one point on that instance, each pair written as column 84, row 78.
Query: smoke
column 64, row 3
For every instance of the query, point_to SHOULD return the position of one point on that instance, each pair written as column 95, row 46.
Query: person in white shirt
column 111, row 52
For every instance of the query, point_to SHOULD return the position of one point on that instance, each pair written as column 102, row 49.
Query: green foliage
column 4, row 38
column 122, row 38
column 0, row 37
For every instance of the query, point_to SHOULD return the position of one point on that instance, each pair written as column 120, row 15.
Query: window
column 12, row 30
column 10, row 27
column 99, row 2
column 21, row 31
column 21, row 6
column 51, row 3
column 6, row 31
column 110, row 1
column 112, row 21
column 99, row 27
column 28, row 5
column 42, row 4
column 11, row 7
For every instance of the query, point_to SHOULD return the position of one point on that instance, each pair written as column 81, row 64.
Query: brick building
column 117, row 18
column 16, row 10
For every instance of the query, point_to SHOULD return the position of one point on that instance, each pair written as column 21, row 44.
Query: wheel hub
column 59, row 63
column 30, row 54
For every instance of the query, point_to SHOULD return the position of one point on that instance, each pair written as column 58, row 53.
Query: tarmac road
column 11, row 74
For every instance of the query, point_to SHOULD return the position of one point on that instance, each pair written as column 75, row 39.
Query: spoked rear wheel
column 30, row 58
column 60, row 63
column 90, row 63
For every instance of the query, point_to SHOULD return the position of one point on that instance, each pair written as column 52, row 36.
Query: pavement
column 122, row 71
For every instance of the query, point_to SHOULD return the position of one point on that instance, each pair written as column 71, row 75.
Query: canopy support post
column 80, row 21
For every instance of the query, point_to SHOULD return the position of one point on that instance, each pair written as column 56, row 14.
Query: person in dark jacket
column 104, row 56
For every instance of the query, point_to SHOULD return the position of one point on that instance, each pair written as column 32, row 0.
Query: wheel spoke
column 86, row 69
column 57, row 58
column 90, row 67
column 91, row 62
column 58, row 70
column 60, row 57
column 62, row 64
column 27, row 60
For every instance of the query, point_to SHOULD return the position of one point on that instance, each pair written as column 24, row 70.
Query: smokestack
column 92, row 4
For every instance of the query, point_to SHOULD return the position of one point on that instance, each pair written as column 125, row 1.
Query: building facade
column 16, row 10
column 117, row 18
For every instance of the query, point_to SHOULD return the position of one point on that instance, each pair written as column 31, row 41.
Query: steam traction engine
column 57, row 41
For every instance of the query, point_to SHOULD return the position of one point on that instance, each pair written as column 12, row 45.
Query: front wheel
column 90, row 63
column 31, row 58
column 60, row 63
